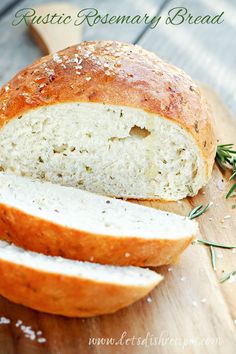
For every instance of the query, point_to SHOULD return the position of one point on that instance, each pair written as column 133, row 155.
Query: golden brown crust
column 46, row 237
column 65, row 295
column 113, row 73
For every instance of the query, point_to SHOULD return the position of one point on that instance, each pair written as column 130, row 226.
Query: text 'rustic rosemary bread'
column 68, row 222
column 110, row 118
column 70, row 288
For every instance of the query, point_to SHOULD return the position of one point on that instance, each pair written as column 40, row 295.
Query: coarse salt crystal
column 4, row 320
column 72, row 60
column 194, row 303
column 183, row 278
column 149, row 299
column 127, row 254
column 18, row 323
column 88, row 78
column 203, row 300
column 49, row 71
column 170, row 269
column 7, row 88
column 57, row 59
column 29, row 332
column 227, row 216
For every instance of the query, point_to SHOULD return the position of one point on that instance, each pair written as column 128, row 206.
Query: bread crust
column 118, row 74
column 40, row 235
column 65, row 295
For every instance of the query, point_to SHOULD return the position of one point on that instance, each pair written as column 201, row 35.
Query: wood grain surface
column 206, row 52
column 190, row 312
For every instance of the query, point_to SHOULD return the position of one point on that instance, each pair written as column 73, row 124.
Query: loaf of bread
column 71, row 288
column 76, row 224
column 110, row 118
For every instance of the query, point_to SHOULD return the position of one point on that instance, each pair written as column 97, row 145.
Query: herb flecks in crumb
column 226, row 159
column 88, row 169
column 199, row 210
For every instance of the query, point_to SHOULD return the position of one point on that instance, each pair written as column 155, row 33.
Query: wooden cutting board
column 189, row 305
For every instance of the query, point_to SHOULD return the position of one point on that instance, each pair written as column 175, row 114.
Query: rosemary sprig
column 212, row 245
column 199, row 210
column 215, row 244
column 213, row 257
column 228, row 276
column 226, row 158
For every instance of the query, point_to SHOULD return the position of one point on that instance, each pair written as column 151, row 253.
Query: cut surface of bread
column 71, row 288
column 110, row 150
column 110, row 118
column 73, row 223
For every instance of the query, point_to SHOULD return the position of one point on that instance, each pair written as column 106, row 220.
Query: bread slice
column 110, row 118
column 71, row 288
column 68, row 222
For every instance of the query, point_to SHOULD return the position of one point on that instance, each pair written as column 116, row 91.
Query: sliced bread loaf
column 110, row 118
column 68, row 222
column 70, row 288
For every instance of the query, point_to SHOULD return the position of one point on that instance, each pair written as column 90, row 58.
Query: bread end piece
column 70, row 288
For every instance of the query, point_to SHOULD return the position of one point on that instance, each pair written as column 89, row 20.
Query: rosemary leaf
column 199, row 210
column 213, row 257
column 214, row 244
column 226, row 159
column 225, row 145
column 233, row 175
column 232, row 189
column 228, row 276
